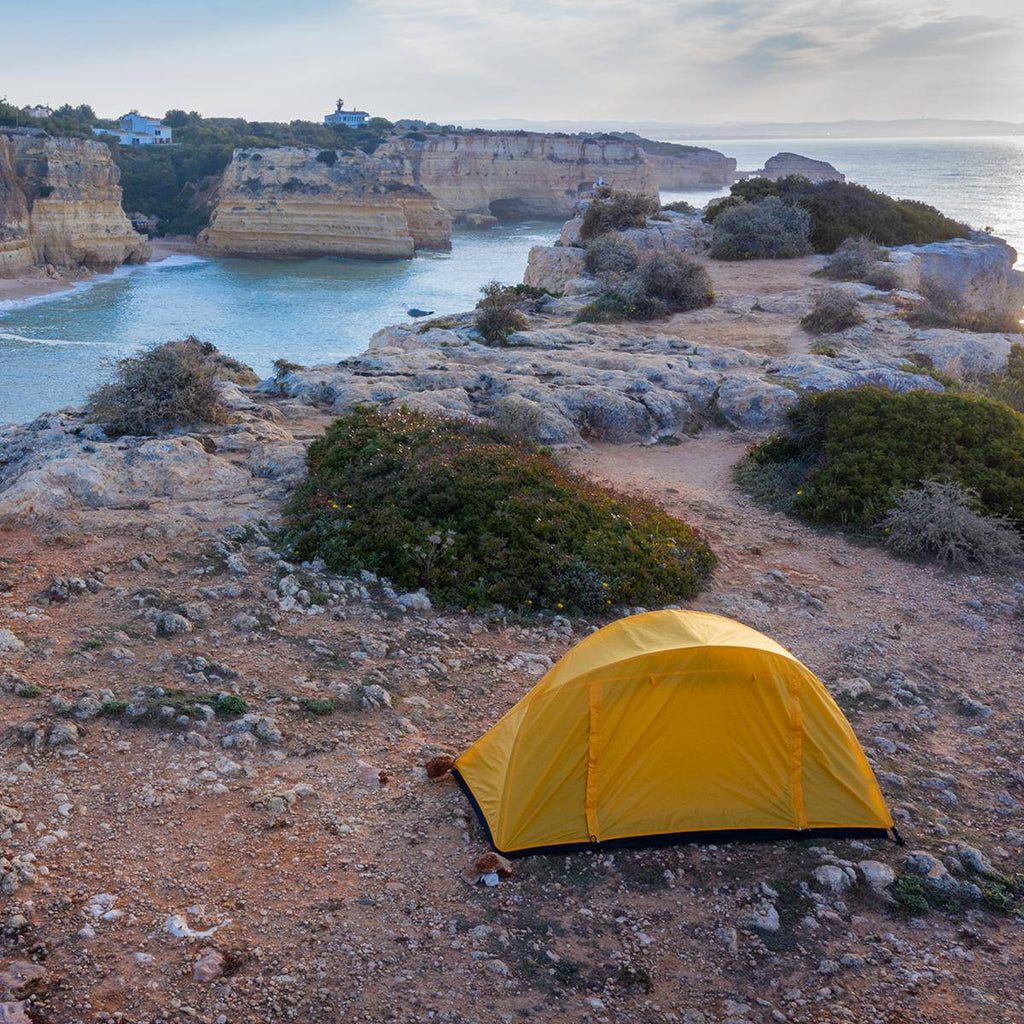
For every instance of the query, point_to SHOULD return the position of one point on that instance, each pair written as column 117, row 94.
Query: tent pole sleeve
column 592, row 755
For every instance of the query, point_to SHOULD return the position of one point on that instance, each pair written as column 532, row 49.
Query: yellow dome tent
column 671, row 725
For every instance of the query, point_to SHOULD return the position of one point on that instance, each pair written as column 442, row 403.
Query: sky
column 691, row 61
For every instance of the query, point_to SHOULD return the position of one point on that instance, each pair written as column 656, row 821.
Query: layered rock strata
column 403, row 197
column 291, row 202
column 60, row 204
column 684, row 167
column 783, row 165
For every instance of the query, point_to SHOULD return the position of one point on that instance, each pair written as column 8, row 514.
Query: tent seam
column 590, row 797
column 796, row 749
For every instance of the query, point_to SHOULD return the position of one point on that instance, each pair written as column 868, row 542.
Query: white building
column 349, row 118
column 40, row 110
column 135, row 129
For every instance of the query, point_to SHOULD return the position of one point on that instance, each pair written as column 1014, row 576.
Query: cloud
column 678, row 60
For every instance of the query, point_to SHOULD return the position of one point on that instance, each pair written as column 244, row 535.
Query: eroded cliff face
column 403, row 197
column 513, row 176
column 60, row 204
column 286, row 202
column 678, row 167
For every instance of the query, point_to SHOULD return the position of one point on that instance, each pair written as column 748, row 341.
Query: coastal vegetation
column 481, row 519
column 942, row 308
column 849, row 458
column 617, row 212
column 833, row 310
column 500, row 312
column 168, row 387
column 654, row 285
column 840, row 210
column 768, row 229
column 942, row 521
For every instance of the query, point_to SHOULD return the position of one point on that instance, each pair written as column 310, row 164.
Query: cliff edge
column 304, row 202
column 404, row 196
column 60, row 205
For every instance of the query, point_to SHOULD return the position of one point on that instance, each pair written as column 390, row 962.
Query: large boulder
column 552, row 267
column 59, row 463
column 977, row 272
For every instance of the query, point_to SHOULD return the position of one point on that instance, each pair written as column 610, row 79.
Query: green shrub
column 480, row 520
column 611, row 257
column 1008, row 387
column 833, row 310
column 840, row 210
column 615, row 306
column 855, row 260
column 662, row 283
column 909, row 893
column 769, row 229
column 673, row 278
column 227, row 705
column 113, row 708
column 680, row 206
column 164, row 388
column 327, row 156
column 28, row 690
column 499, row 313
column 318, row 707
column 623, row 210
column 849, row 455
column 941, row 521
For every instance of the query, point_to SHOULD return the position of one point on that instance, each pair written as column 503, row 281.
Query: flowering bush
column 481, row 520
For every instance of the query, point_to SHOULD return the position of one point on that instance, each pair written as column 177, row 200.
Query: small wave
column 6, row 336
column 77, row 287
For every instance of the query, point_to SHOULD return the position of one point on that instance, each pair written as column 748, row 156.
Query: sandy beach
column 30, row 286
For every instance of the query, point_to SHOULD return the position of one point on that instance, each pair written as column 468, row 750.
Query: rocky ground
column 214, row 807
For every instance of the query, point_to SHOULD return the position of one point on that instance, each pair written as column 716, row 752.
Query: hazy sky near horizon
column 695, row 61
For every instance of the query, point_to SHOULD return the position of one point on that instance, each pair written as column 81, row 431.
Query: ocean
column 53, row 352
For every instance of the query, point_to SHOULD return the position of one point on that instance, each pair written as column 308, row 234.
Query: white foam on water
column 21, row 339
column 167, row 263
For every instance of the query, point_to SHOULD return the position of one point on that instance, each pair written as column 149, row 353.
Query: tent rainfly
column 671, row 726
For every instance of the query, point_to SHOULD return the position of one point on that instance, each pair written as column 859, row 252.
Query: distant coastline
column 919, row 128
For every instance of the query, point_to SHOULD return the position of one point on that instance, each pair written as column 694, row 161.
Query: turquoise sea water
column 53, row 352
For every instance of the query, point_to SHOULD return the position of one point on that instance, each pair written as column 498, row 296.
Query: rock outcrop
column 782, row 165
column 385, row 205
column 682, row 167
column 288, row 202
column 60, row 205
column 555, row 268
column 977, row 273
column 565, row 385
column 560, row 268
column 516, row 175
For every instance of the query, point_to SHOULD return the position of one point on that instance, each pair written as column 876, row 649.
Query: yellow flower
column 348, row 506
column 798, row 493
column 605, row 585
column 559, row 605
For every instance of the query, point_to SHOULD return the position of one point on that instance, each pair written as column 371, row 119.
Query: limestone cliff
column 515, row 175
column 292, row 202
column 60, row 204
column 301, row 202
column 677, row 166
